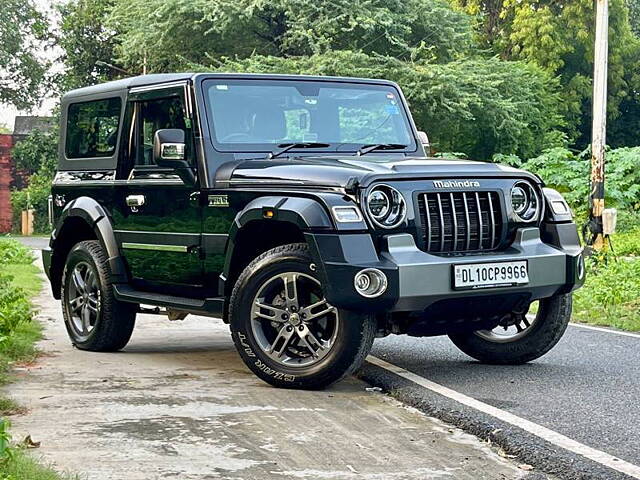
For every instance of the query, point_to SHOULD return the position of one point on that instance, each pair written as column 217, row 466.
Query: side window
column 154, row 115
column 92, row 128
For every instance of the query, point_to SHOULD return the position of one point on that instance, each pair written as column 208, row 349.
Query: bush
column 12, row 251
column 35, row 196
column 610, row 295
column 14, row 305
column 569, row 173
column 36, row 153
column 627, row 243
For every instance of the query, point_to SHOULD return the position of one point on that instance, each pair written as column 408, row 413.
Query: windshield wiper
column 285, row 147
column 379, row 146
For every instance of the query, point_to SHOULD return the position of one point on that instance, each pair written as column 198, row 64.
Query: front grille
column 461, row 221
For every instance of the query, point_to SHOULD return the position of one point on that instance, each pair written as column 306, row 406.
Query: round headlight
column 379, row 204
column 386, row 206
column 524, row 202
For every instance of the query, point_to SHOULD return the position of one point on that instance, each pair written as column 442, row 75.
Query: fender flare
column 97, row 218
column 305, row 213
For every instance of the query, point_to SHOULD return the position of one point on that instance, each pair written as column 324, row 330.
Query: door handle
column 135, row 200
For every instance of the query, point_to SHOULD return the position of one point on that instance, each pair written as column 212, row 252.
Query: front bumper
column 418, row 279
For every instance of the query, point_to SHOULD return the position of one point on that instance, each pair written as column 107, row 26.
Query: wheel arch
column 83, row 219
column 269, row 222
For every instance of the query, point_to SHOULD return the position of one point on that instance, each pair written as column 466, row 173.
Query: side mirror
column 424, row 140
column 168, row 151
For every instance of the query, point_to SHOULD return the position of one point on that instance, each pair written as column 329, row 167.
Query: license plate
column 489, row 275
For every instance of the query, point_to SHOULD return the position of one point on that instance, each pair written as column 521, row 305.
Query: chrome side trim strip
column 161, row 248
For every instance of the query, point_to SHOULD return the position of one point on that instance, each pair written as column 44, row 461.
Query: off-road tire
column 353, row 342
column 553, row 317
column 116, row 320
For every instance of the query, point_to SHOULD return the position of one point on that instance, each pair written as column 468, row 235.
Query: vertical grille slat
column 442, row 232
column 460, row 221
column 493, row 223
column 466, row 212
column 455, row 222
column 480, row 225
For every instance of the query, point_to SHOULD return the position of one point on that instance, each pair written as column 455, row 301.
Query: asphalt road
column 587, row 389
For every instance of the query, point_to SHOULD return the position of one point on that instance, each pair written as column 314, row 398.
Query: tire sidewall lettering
column 260, row 364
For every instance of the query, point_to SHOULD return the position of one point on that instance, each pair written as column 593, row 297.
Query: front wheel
column 285, row 330
column 519, row 338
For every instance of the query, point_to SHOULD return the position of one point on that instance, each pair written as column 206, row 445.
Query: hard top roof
column 158, row 78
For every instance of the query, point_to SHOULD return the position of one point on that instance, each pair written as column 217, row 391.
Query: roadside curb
column 528, row 448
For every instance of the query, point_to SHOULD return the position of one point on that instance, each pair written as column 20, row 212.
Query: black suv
column 304, row 212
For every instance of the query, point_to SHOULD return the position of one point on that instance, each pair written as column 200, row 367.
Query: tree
column 22, row 71
column 85, row 41
column 634, row 16
column 38, row 151
column 166, row 34
column 559, row 38
column 38, row 155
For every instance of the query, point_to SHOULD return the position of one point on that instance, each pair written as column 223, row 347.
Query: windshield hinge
column 352, row 186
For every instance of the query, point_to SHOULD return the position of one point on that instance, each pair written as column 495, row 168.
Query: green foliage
column 559, row 37
column 569, row 173
column 478, row 107
column 610, row 295
column 14, row 307
column 12, row 251
column 22, row 70
column 634, row 16
column 6, row 452
column 16, row 465
column 166, row 34
column 38, row 152
column 627, row 243
column 85, row 40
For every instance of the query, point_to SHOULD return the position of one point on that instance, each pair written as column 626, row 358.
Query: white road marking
column 606, row 330
column 538, row 430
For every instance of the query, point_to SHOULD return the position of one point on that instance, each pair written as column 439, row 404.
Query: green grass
column 626, row 243
column 22, row 467
column 25, row 276
column 611, row 294
column 9, row 407
column 21, row 281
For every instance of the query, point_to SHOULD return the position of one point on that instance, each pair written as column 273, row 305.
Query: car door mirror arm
column 169, row 151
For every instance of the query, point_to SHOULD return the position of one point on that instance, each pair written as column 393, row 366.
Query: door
column 159, row 217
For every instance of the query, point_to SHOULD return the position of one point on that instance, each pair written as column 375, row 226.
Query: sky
column 8, row 112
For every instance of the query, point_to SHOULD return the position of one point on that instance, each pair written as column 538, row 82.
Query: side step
column 211, row 307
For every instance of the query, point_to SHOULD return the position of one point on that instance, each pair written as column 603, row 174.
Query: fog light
column 370, row 282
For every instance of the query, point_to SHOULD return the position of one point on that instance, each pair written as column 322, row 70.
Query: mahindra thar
column 304, row 212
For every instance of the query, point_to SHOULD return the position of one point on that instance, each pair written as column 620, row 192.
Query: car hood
column 339, row 171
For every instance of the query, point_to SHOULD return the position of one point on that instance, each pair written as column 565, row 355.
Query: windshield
column 260, row 115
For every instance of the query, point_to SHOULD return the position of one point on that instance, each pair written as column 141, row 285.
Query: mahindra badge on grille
column 456, row 184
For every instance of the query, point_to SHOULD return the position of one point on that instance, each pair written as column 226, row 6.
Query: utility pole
column 599, row 133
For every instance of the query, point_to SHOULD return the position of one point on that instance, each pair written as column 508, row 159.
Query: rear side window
column 92, row 128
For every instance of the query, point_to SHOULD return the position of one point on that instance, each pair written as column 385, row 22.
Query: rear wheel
column 284, row 328
column 94, row 319
column 519, row 338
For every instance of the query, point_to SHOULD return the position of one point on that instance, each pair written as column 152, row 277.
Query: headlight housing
column 525, row 202
column 386, row 206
